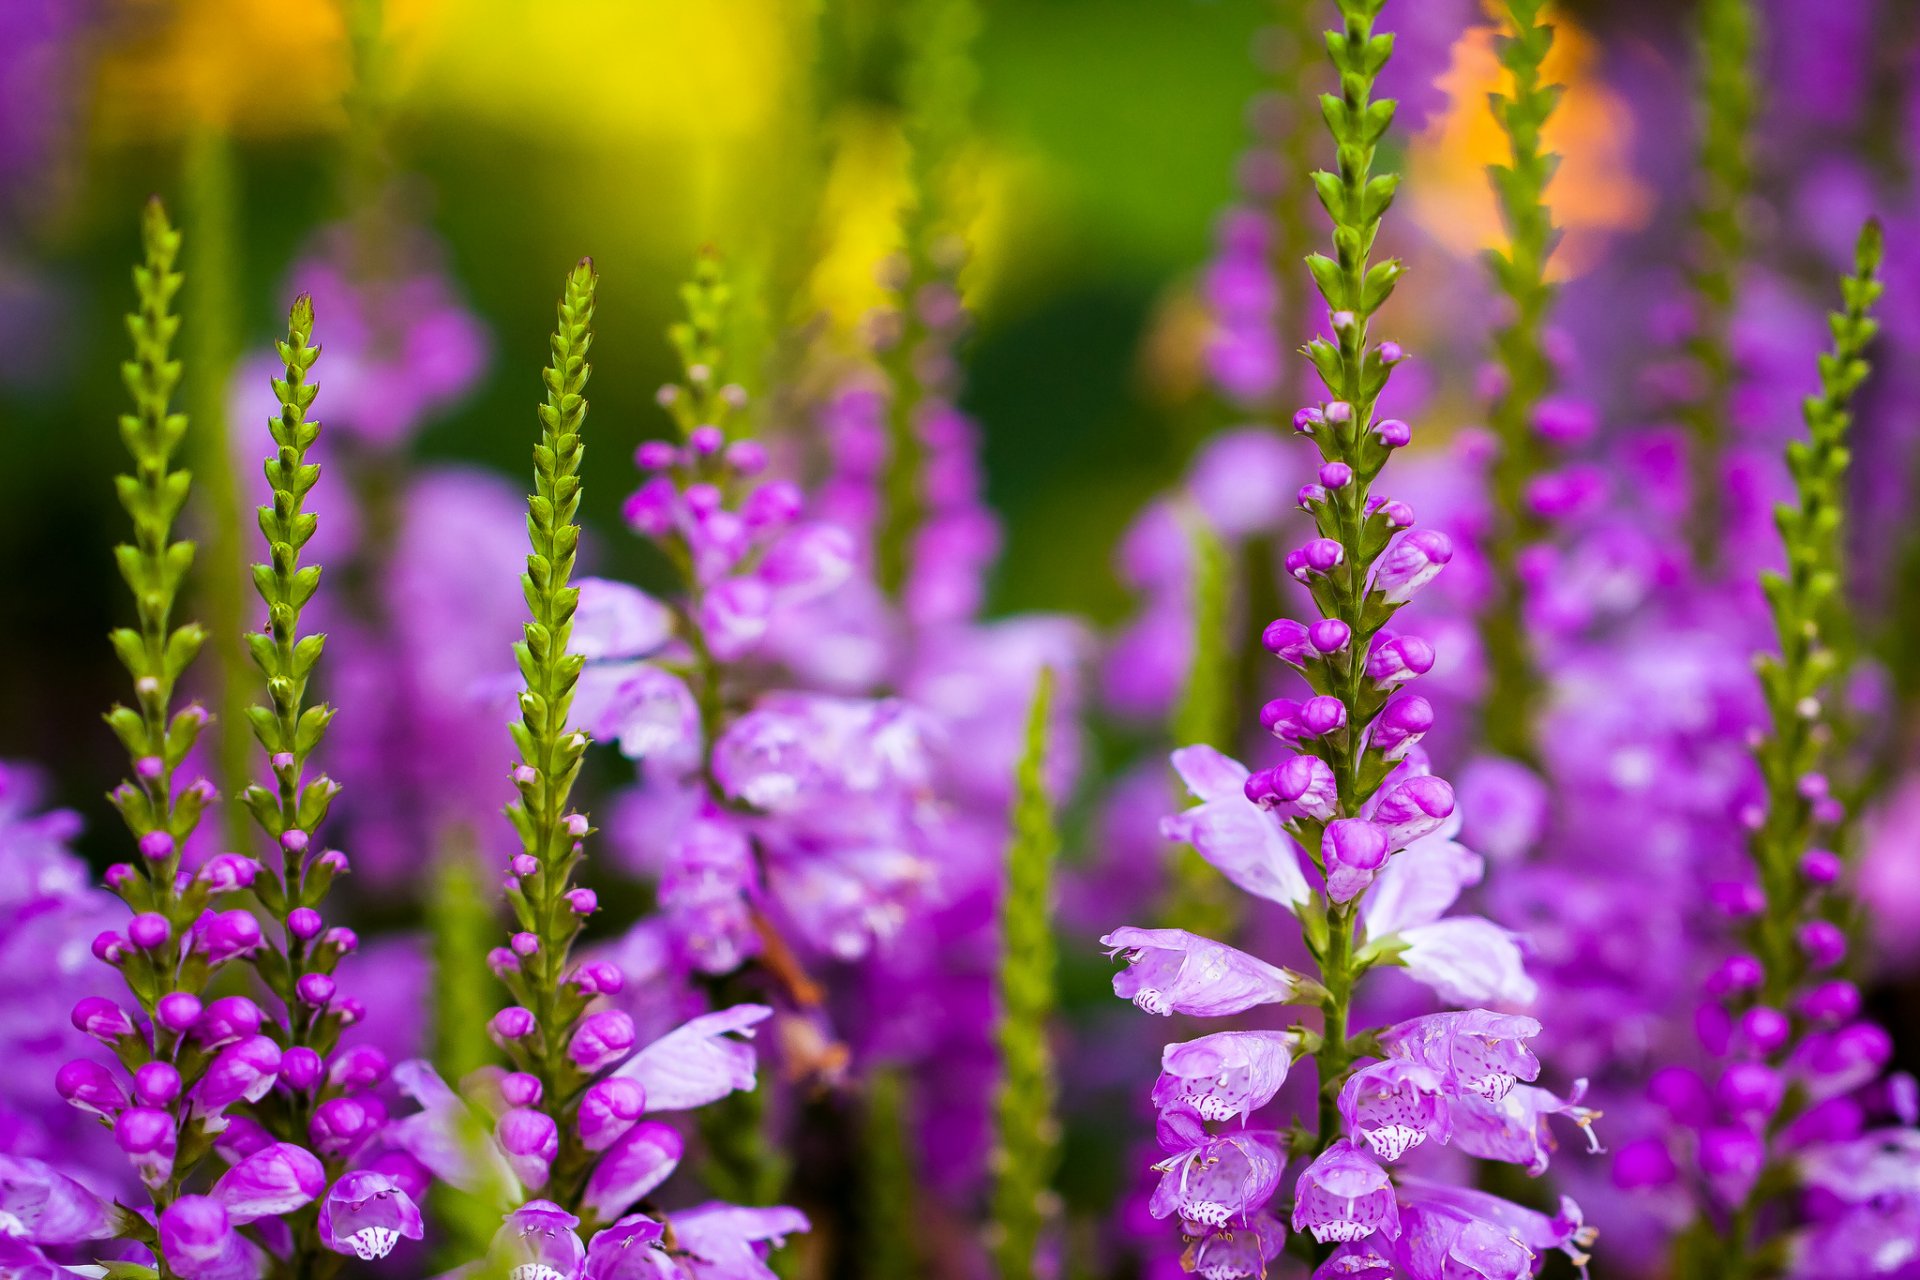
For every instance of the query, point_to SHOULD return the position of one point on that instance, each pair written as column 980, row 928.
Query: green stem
column 1728, row 100
column 1511, row 709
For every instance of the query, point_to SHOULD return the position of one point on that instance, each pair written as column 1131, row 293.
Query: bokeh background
column 525, row 135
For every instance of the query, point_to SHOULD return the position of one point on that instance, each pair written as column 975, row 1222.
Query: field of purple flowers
column 624, row 621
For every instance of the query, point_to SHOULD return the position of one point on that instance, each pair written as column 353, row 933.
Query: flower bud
column 1831, row 1002
column 1329, row 635
column 91, row 1087
column 530, row 1139
column 149, row 1139
column 1395, row 660
column 102, row 1019
column 1750, row 1089
column 176, row 1011
column 226, row 935
column 1821, row 866
column 599, row 978
column 608, row 1110
column 342, row 1125
column 358, row 1068
column 601, row 1040
column 227, row 1019
column 1287, row 640
column 229, row 873
column 148, row 930
column 511, row 1023
column 300, row 1068
column 109, row 948
column 1765, row 1029
column 1322, row 715
column 1823, row 942
column 1401, row 724
column 518, row 1089
column 156, row 1084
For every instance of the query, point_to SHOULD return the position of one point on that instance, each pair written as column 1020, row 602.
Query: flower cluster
column 1352, row 833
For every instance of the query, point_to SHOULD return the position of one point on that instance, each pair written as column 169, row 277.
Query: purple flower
column 614, row 620
column 198, row 1240
column 699, row 1062
column 1210, row 1179
column 601, row 1039
column 630, row 1249
column 45, row 1206
column 727, row 1242
column 537, row 1241
column 637, row 1162
column 1396, row 1105
column 1476, row 1051
column 1343, row 1195
column 1243, row 842
column 366, row 1214
column 1240, row 1251
column 1352, row 850
column 1227, row 1074
column 1414, row 559
column 1171, row 970
column 1513, row 1128
column 270, row 1183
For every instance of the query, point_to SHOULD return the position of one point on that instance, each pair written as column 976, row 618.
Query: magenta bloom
column 1244, row 842
column 1475, row 1052
column 366, row 1214
column 1171, row 970
column 1212, row 1179
column 538, row 1241
column 1227, row 1074
column 1343, row 1195
column 1395, row 1105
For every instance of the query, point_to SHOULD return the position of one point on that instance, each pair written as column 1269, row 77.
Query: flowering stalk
column 1027, row 1134
column 1757, row 1122
column 1728, row 104
column 1798, row 681
column 188, row 1060
column 547, row 906
column 937, row 94
column 1358, row 798
column 1354, row 529
column 324, row 1095
column 155, row 653
column 1515, row 691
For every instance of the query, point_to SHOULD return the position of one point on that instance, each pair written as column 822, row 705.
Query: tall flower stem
column 1026, row 1146
column 1354, row 288
column 1515, row 689
column 1798, row 681
column 550, row 753
column 298, row 969
column 156, row 654
column 937, row 92
column 1796, row 748
column 1728, row 102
